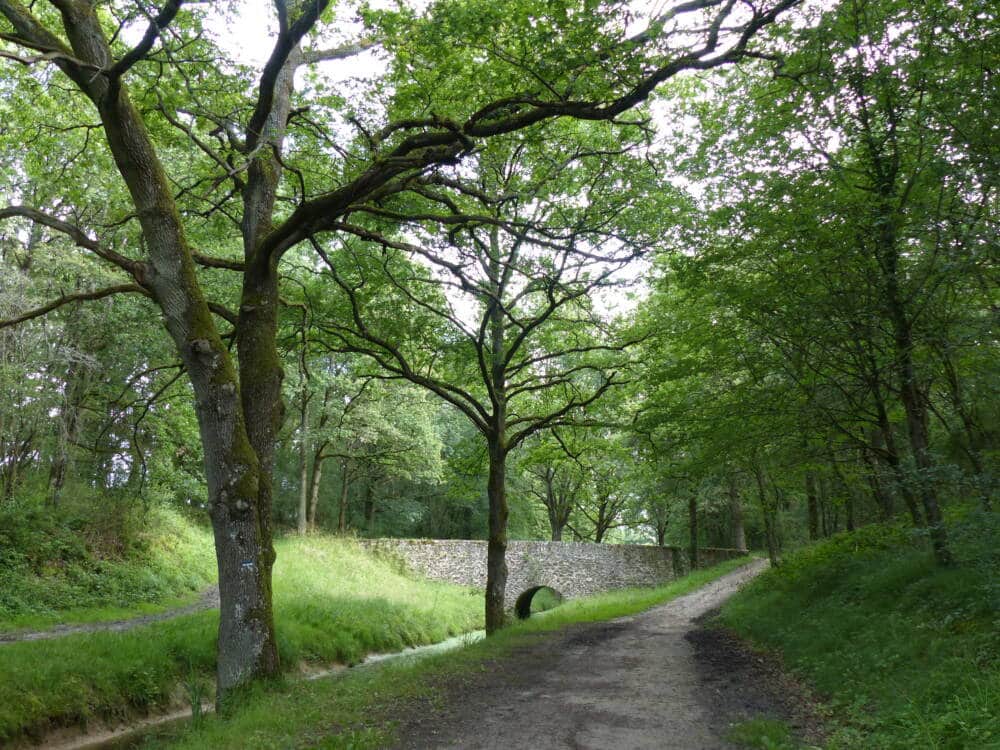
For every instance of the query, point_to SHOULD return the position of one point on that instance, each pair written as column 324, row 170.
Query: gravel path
column 208, row 600
column 630, row 684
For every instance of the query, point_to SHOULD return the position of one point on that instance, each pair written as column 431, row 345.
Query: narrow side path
column 628, row 684
column 208, row 600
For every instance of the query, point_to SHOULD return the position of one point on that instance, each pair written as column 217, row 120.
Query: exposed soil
column 208, row 600
column 728, row 665
column 656, row 680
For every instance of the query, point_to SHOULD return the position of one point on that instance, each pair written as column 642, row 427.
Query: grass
column 333, row 603
column 356, row 709
column 80, row 565
column 762, row 734
column 907, row 653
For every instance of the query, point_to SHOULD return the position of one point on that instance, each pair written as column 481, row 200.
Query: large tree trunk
column 556, row 529
column 496, row 439
column 235, row 419
column 496, row 551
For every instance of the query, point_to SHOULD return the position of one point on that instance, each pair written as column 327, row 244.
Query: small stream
column 127, row 738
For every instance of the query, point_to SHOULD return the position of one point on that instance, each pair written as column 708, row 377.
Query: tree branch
column 134, row 268
column 78, row 297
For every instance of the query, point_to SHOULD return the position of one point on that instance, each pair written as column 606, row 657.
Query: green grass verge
column 907, row 653
column 763, row 734
column 333, row 602
column 356, row 709
column 79, row 565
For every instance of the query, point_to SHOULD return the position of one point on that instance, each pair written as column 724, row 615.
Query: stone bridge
column 571, row 569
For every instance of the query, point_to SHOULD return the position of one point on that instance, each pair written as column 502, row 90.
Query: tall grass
column 908, row 653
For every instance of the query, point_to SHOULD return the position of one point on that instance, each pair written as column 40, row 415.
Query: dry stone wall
column 571, row 568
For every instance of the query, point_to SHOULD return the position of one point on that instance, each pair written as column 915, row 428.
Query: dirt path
column 208, row 600
column 629, row 684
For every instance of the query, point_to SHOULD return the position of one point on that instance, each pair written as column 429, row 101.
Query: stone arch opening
column 523, row 606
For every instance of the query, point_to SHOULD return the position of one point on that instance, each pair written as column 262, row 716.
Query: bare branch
column 137, row 53
column 70, row 298
column 288, row 39
column 337, row 53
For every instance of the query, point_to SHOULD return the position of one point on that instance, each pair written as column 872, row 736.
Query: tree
column 204, row 156
column 863, row 210
column 555, row 479
column 503, row 324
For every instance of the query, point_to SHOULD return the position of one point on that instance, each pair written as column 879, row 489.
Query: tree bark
column 232, row 416
column 813, row 506
column 914, row 403
column 369, row 506
column 345, row 486
column 303, row 514
column 314, row 485
column 736, row 514
column 770, row 533
column 496, row 550
column 693, row 529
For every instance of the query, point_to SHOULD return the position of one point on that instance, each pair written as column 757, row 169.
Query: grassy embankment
column 906, row 654
column 356, row 709
column 333, row 603
column 81, row 565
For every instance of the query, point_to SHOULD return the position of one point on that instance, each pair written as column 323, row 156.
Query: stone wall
column 571, row 568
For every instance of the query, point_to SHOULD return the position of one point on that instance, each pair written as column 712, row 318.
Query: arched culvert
column 547, row 596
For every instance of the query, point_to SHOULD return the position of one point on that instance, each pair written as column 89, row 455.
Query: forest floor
column 661, row 679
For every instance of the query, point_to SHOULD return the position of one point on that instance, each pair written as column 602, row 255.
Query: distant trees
column 849, row 229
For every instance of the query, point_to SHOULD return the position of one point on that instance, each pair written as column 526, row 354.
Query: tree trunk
column 736, row 513
column 303, row 514
column 496, row 439
column 883, row 499
column 370, row 507
column 813, row 504
column 496, row 555
column 770, row 534
column 314, row 483
column 661, row 534
column 916, row 425
column 693, row 529
column 602, row 525
column 345, row 487
column 896, row 466
column 887, row 244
